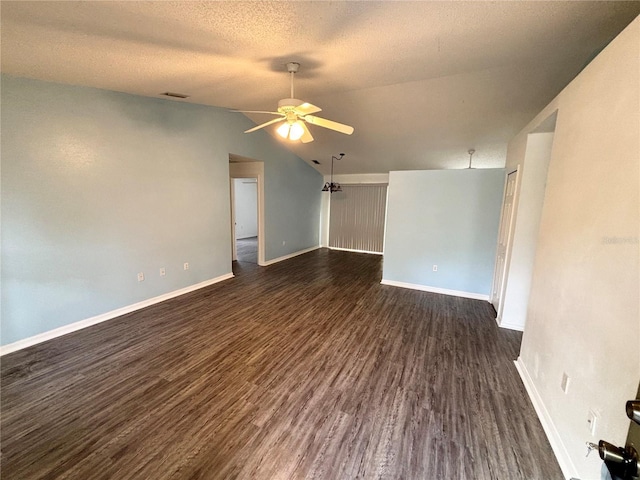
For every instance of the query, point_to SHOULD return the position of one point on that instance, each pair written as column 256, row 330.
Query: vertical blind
column 356, row 218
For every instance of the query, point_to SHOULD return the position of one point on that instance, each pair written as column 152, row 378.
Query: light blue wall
column 290, row 215
column 447, row 218
column 98, row 186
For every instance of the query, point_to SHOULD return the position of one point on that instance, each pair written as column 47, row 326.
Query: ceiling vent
column 175, row 95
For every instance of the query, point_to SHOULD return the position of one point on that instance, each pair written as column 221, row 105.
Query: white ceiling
column 421, row 82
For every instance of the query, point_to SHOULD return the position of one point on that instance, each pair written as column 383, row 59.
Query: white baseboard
column 444, row 291
column 509, row 326
column 291, row 255
column 355, row 251
column 72, row 327
column 560, row 451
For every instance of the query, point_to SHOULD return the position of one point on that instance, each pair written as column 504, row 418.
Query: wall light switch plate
column 435, row 268
column 163, row 272
column 186, row 265
column 141, row 277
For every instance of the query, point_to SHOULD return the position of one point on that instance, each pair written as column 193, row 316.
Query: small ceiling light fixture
column 471, row 152
column 331, row 186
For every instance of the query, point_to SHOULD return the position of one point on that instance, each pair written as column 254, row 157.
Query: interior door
column 504, row 239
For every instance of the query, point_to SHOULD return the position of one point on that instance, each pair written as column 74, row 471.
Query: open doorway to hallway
column 245, row 208
column 249, row 241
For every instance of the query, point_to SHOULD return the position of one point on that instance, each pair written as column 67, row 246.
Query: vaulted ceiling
column 421, row 82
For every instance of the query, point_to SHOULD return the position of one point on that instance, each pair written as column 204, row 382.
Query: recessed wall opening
column 519, row 229
column 357, row 218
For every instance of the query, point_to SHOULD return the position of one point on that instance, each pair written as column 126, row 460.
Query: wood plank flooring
column 306, row 369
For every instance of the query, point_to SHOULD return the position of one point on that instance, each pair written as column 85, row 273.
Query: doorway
column 514, row 271
column 245, row 221
column 248, row 171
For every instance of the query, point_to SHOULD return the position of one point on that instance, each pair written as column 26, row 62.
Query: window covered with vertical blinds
column 356, row 218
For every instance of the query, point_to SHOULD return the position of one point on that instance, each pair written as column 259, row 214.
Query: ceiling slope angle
column 421, row 82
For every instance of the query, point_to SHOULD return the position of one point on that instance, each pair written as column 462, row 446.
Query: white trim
column 72, row 327
column 444, row 291
column 355, row 251
column 359, row 178
column 234, row 240
column 560, row 451
column 509, row 326
column 291, row 255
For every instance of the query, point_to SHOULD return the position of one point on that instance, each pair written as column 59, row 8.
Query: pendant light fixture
column 331, row 186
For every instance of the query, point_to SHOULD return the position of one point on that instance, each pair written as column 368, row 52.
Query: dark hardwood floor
column 306, row 369
column 247, row 249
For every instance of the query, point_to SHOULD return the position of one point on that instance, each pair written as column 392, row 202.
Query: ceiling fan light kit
column 295, row 114
column 291, row 131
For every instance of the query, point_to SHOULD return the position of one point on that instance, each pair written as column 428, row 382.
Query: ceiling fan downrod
column 292, row 68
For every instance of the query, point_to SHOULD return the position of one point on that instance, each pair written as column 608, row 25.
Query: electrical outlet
column 186, row 265
column 284, row 242
column 141, row 277
column 592, row 421
column 435, row 268
column 565, row 383
column 163, row 272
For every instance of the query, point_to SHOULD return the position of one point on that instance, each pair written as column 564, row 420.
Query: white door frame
column 500, row 272
column 248, row 170
column 234, row 247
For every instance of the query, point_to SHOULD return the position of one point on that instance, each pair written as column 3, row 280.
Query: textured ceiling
column 421, row 82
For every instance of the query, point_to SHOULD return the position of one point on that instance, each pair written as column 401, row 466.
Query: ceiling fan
column 295, row 114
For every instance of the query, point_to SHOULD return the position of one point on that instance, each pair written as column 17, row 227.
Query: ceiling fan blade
column 306, row 108
column 306, row 136
column 330, row 124
column 255, row 111
column 265, row 124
